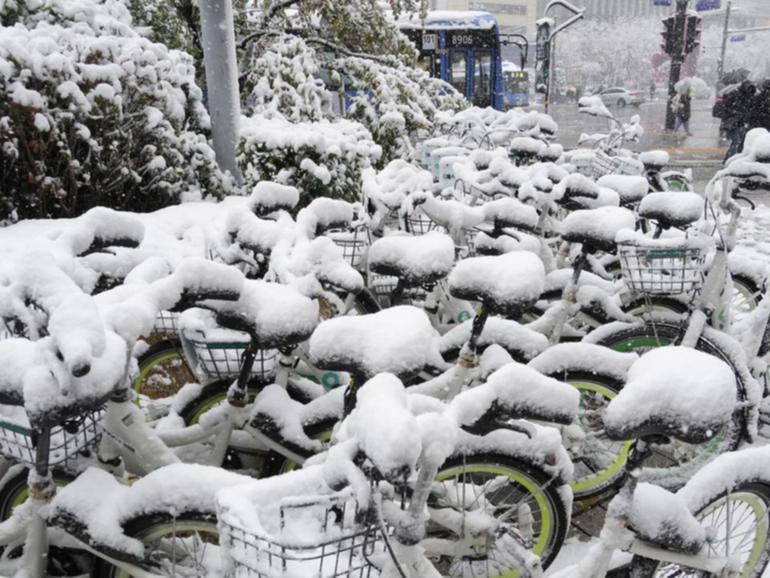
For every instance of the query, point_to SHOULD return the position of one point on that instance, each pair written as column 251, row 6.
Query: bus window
column 458, row 66
column 427, row 62
column 482, row 79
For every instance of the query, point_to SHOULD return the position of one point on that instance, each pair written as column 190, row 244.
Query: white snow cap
column 677, row 391
column 396, row 340
column 678, row 208
column 654, row 158
column 598, row 225
column 268, row 197
column 510, row 212
column 631, row 189
column 584, row 357
column 507, row 282
column 426, row 256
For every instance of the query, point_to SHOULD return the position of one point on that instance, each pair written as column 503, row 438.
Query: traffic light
column 669, row 35
column 692, row 33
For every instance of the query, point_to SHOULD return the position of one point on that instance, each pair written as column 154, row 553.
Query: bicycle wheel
column 671, row 465
column 746, row 296
column 163, row 371
column 599, row 461
column 61, row 561
column 504, row 488
column 739, row 528
column 185, row 545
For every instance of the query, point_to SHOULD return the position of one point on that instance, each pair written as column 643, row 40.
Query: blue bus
column 462, row 48
column 515, row 86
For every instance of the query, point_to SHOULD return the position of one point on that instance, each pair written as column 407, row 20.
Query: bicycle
column 717, row 523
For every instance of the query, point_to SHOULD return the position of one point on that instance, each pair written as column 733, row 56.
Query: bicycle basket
column 318, row 537
column 166, row 323
column 353, row 242
column 222, row 359
column 68, row 441
column 418, row 223
column 603, row 164
column 661, row 270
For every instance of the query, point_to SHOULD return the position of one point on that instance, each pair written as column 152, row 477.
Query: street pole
column 725, row 33
column 677, row 60
column 219, row 60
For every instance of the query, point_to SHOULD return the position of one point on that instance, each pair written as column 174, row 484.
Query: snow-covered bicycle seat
column 654, row 160
column 510, row 212
column 416, row 261
column 630, row 188
column 269, row 197
column 399, row 340
column 672, row 209
column 677, row 392
column 597, row 228
column 275, row 315
column 506, row 285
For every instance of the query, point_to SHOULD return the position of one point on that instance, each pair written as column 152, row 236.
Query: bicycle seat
column 416, row 261
column 676, row 392
column 672, row 209
column 631, row 189
column 269, row 197
column 654, row 160
column 399, row 340
column 507, row 285
column 596, row 228
column 275, row 315
column 509, row 212
column 662, row 518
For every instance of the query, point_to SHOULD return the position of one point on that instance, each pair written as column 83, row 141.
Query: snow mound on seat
column 654, row 158
column 600, row 225
column 268, row 197
column 396, row 340
column 507, row 282
column 631, row 189
column 678, row 207
column 511, row 212
column 430, row 255
column 658, row 515
column 584, row 357
column 520, row 392
column 684, row 390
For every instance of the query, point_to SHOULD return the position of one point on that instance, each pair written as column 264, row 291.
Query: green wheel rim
column 151, row 365
column 182, row 527
column 640, row 343
column 547, row 524
column 586, row 485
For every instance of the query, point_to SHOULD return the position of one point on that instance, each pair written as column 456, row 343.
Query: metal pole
column 725, row 33
column 677, row 60
column 552, row 50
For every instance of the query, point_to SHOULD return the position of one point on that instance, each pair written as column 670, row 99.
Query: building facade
column 614, row 9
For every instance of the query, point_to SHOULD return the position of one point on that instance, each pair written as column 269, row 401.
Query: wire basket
column 602, row 164
column 166, row 323
column 661, row 270
column 68, row 441
column 349, row 536
column 418, row 223
column 354, row 244
column 222, row 360
column 384, row 285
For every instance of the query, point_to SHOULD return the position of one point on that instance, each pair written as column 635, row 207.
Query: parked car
column 622, row 97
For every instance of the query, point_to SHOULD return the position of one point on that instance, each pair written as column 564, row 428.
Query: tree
column 92, row 113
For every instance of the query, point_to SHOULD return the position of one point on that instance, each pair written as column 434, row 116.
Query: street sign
column 738, row 38
column 661, row 2
column 704, row 5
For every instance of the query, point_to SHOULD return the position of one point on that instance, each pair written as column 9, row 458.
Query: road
column 703, row 151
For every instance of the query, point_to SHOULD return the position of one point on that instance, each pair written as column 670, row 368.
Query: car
column 622, row 97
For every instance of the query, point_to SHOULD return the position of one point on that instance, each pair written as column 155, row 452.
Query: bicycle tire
column 592, row 476
column 164, row 361
column 756, row 496
column 150, row 527
column 61, row 561
column 640, row 338
column 550, row 509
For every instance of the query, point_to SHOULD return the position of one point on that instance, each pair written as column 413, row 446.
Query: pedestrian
column 653, row 89
column 759, row 112
column 683, row 104
column 737, row 102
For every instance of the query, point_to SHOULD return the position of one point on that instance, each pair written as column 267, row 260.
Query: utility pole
column 725, row 33
column 220, row 61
